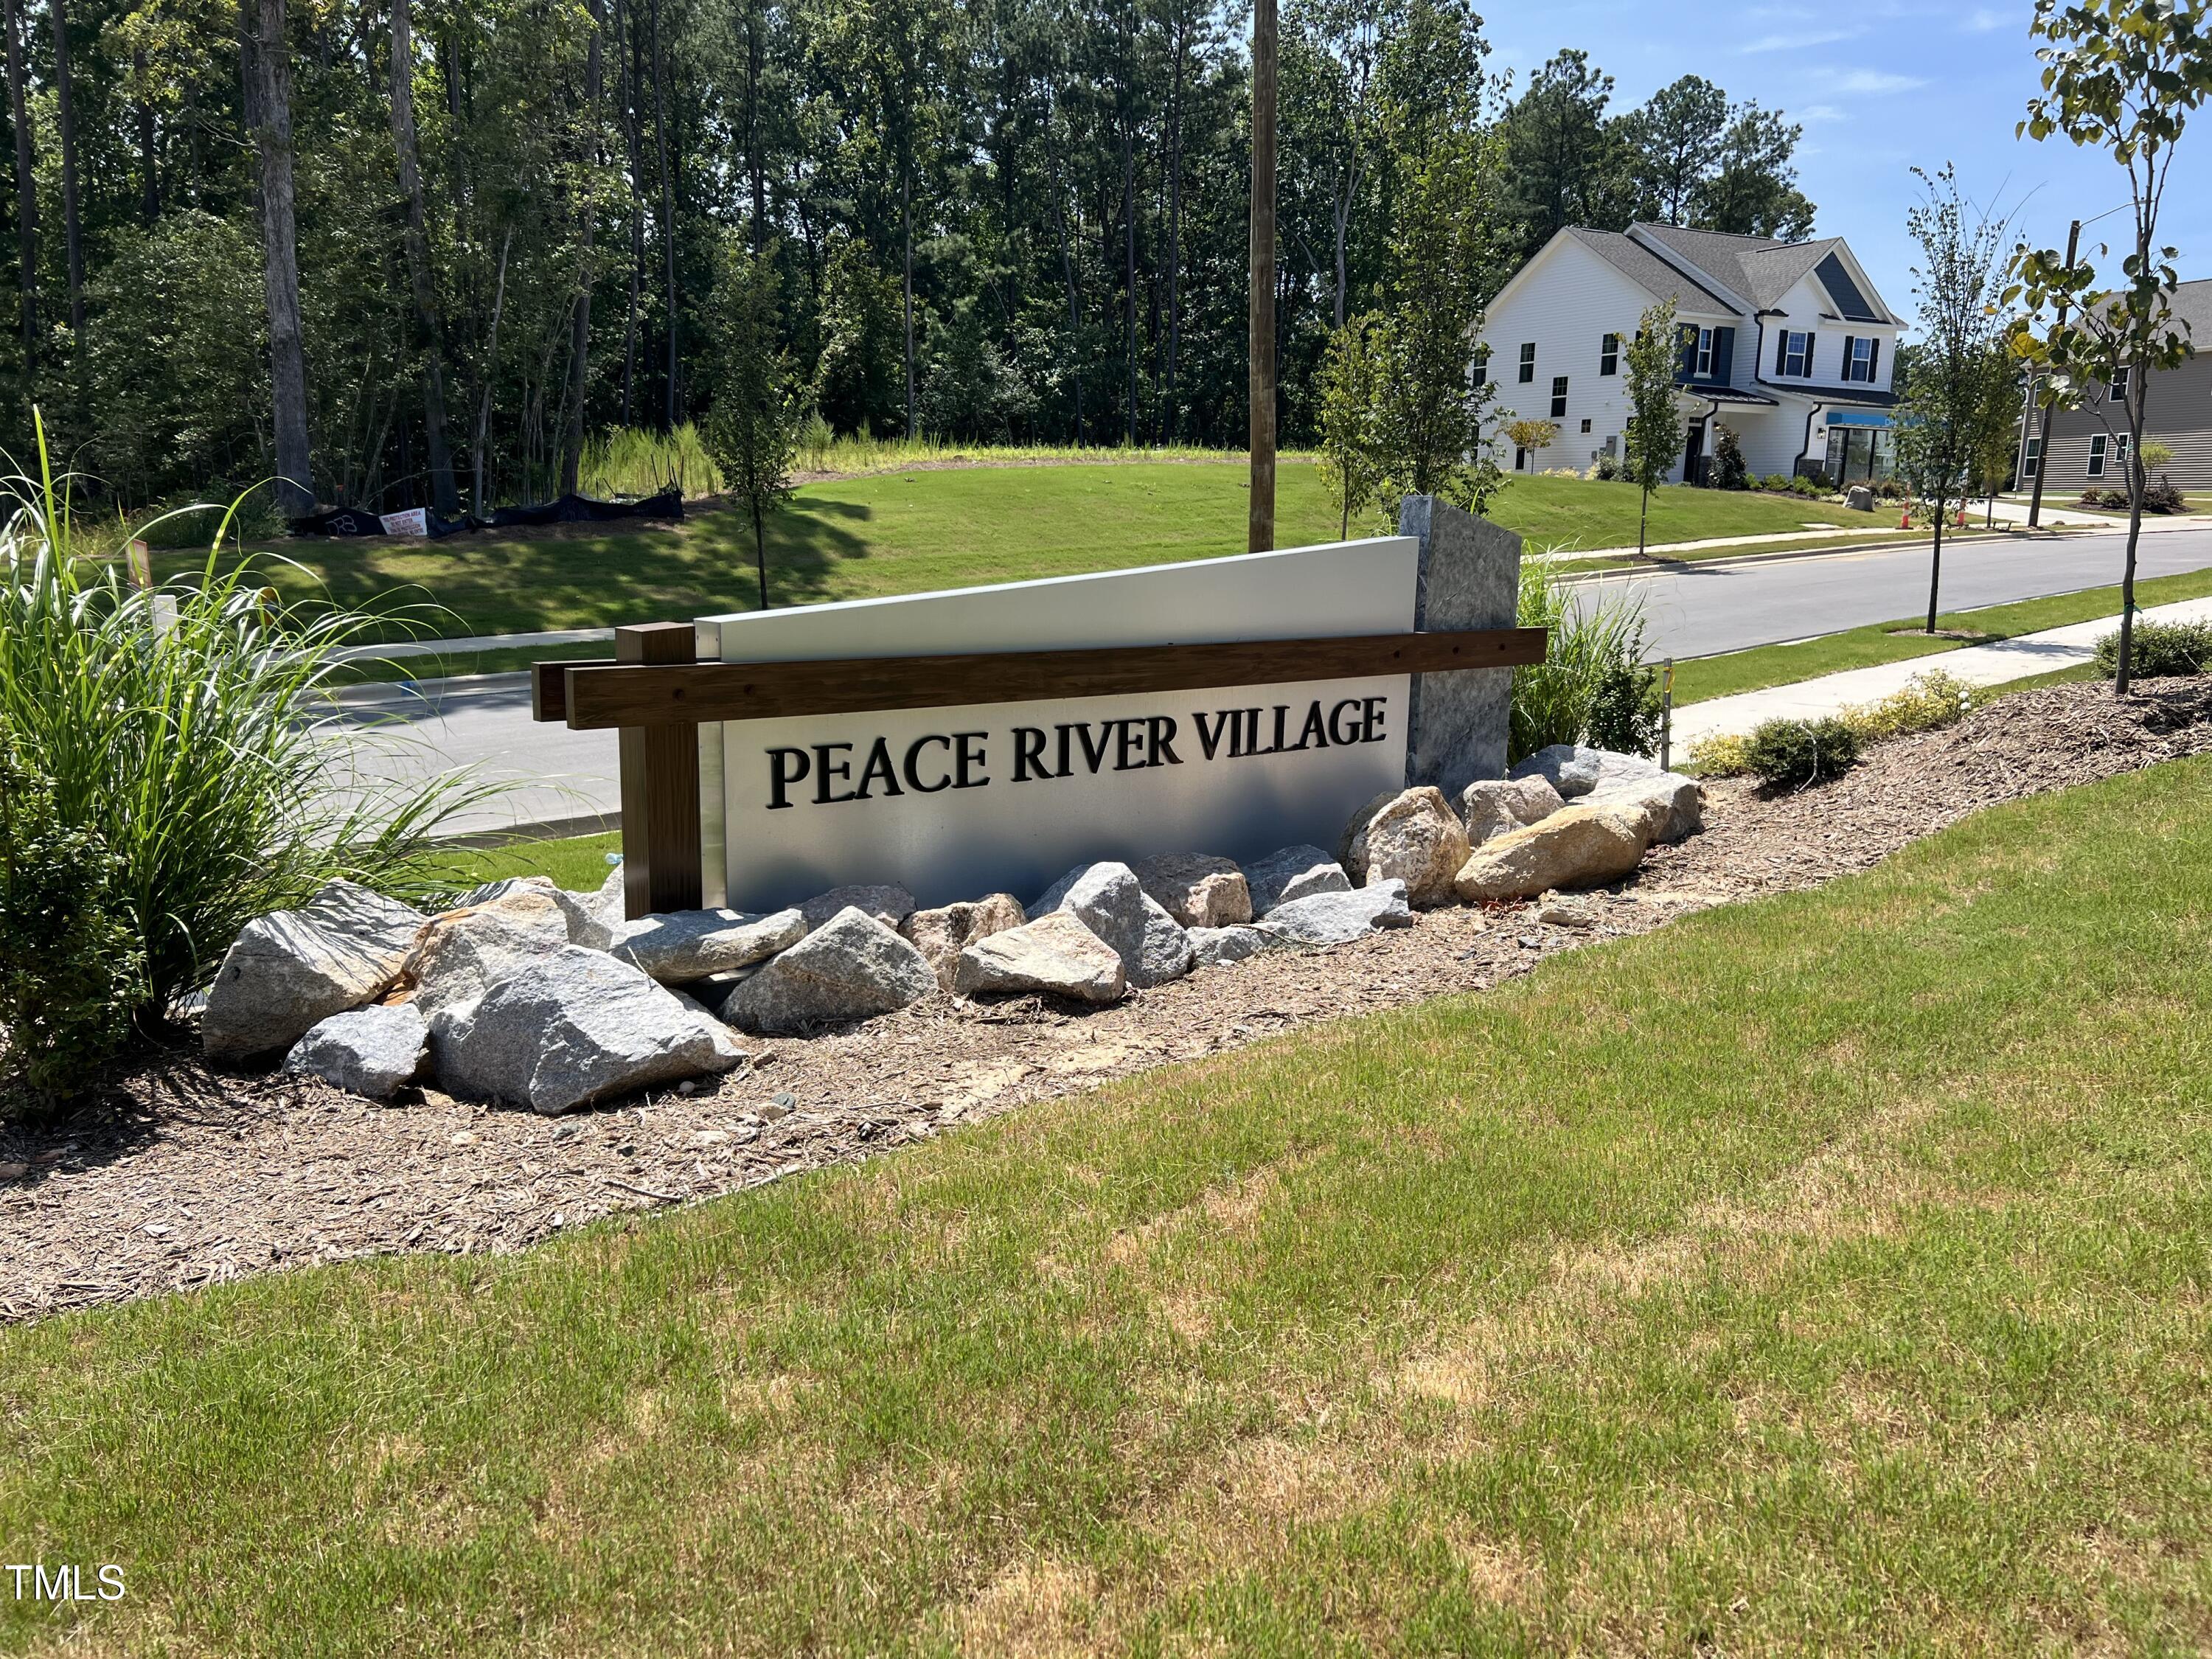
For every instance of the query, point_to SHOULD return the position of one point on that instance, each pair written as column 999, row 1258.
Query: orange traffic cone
column 1960, row 523
column 1904, row 519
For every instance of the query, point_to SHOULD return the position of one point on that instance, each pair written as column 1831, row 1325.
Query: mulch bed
column 181, row 1176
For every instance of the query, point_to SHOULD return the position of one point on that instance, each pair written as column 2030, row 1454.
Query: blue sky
column 1879, row 88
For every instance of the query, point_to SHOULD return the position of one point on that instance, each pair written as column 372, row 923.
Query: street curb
column 1675, row 567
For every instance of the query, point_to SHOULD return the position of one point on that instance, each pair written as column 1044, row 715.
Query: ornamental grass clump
column 180, row 738
column 1593, row 685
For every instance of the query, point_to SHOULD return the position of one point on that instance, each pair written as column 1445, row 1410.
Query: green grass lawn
column 578, row 863
column 1824, row 1274
column 906, row 532
column 1701, row 677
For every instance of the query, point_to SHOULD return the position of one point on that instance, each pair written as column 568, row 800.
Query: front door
column 1694, row 452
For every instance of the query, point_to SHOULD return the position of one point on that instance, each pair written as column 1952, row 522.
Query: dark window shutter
column 1689, row 366
column 1873, row 357
column 1723, row 355
column 1850, row 345
column 1781, row 350
column 1811, row 340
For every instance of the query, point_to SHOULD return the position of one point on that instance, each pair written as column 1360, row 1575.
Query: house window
column 1797, row 353
column 1586, row 423
column 2097, row 456
column 1860, row 367
column 1609, row 355
column 1482, row 365
column 1705, row 353
column 2120, row 450
column 1558, row 396
column 1527, row 363
column 1520, row 460
column 2120, row 381
column 2033, row 459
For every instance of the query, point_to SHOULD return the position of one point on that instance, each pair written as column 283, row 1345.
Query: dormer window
column 1858, row 360
column 1793, row 353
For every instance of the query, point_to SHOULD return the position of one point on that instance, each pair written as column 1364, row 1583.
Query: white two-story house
column 1786, row 343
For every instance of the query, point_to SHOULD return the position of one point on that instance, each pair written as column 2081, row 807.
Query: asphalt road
column 1694, row 611
column 1703, row 609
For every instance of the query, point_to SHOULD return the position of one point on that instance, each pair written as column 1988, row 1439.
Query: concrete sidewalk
column 2020, row 658
column 483, row 642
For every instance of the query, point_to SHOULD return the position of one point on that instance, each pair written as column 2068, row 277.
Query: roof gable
column 1762, row 271
column 1655, row 276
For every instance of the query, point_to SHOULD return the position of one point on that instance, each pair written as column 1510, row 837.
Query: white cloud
column 1875, row 81
column 1985, row 22
column 1792, row 42
column 1813, row 114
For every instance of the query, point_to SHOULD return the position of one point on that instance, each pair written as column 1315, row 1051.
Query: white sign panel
column 956, row 802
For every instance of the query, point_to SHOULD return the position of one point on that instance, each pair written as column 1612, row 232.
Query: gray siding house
column 2084, row 454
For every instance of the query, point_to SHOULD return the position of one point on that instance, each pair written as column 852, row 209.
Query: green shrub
column 199, row 751
column 1792, row 754
column 2158, row 651
column 1592, row 686
column 1730, row 472
column 71, row 967
column 1926, row 702
column 1723, row 755
column 2159, row 495
column 1605, row 468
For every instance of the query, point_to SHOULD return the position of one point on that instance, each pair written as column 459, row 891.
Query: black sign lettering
column 826, row 772
column 1314, row 734
column 878, row 771
column 1370, row 723
column 1029, row 754
column 1159, row 733
column 1093, row 757
column 781, row 774
column 1337, row 732
column 912, row 754
column 969, row 754
column 1209, row 737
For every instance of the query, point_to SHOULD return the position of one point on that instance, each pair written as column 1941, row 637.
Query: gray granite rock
column 1677, row 802
column 942, row 934
column 1055, row 954
column 1197, row 888
column 1339, row 918
column 852, row 966
column 1210, row 946
column 581, row 1028
column 1411, row 835
column 1107, row 899
column 460, row 955
column 1574, row 769
column 1469, row 577
column 1293, row 873
column 1491, row 806
column 679, row 946
column 890, row 905
column 288, row 971
column 372, row 1051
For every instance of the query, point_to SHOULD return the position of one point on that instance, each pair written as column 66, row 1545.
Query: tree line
column 408, row 252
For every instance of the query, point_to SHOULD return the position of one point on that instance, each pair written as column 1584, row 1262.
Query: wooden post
column 1260, row 369
column 660, row 787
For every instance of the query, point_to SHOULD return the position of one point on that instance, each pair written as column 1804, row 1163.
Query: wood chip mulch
column 180, row 1177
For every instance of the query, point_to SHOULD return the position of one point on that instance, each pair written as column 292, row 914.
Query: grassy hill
column 1823, row 1273
column 910, row 532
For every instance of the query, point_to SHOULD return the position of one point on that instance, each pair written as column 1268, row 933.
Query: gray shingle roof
column 1760, row 268
column 1649, row 272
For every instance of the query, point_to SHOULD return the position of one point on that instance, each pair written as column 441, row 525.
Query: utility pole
column 2043, row 442
column 1260, row 382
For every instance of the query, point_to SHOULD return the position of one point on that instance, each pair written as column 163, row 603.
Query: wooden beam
column 597, row 696
column 549, row 686
column 660, row 781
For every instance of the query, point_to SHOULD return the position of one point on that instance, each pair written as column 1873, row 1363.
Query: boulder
column 679, row 945
column 943, row 934
column 527, row 904
column 1197, row 888
column 1293, row 873
column 725, row 1039
column 1858, row 499
column 1107, row 899
column 366, row 1051
column 1410, row 835
column 890, row 905
column 1582, row 845
column 1211, row 947
column 291, row 969
column 581, row 1028
column 1491, row 806
column 1055, row 954
column 1676, row 803
column 1574, row 769
column 1339, row 918
column 460, row 955
column 852, row 966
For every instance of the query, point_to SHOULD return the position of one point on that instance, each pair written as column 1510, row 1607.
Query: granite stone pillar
column 1470, row 578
